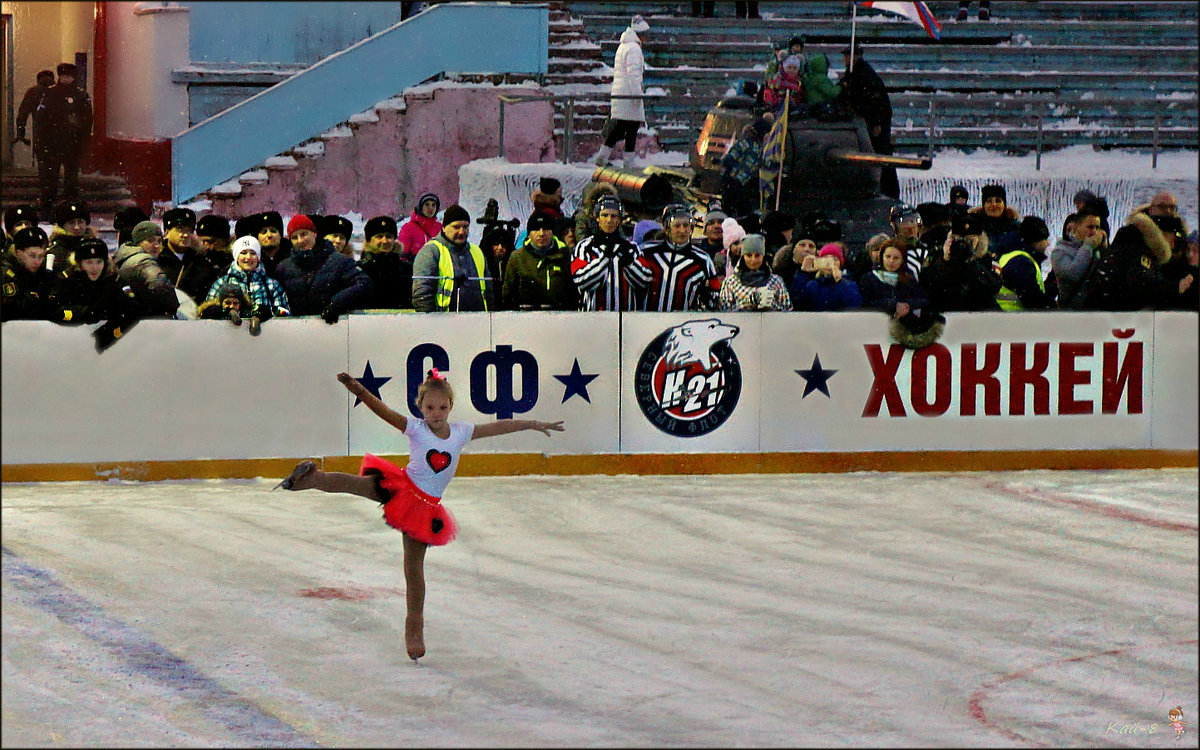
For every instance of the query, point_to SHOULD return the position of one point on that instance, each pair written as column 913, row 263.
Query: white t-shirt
column 431, row 460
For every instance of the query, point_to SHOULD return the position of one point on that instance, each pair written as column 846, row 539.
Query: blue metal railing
column 471, row 38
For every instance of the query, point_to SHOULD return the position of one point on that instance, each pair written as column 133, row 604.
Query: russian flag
column 915, row 12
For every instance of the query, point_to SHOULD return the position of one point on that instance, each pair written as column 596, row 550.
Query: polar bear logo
column 693, row 342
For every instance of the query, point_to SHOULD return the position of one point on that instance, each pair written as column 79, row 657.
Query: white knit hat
column 246, row 243
column 731, row 232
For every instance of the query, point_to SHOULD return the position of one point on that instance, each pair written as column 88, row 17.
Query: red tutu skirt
column 410, row 509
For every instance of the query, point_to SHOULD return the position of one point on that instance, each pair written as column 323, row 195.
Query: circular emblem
column 688, row 379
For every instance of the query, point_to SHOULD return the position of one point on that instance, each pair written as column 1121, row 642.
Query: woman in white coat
column 626, row 115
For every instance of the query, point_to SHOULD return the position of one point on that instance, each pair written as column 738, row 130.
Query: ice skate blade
column 303, row 469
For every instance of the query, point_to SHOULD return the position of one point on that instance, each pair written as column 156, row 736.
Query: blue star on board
column 576, row 383
column 816, row 378
column 371, row 383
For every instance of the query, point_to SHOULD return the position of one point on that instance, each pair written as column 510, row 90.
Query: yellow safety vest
column 446, row 271
column 1007, row 298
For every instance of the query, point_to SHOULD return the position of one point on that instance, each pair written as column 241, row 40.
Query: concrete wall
column 388, row 164
column 146, row 42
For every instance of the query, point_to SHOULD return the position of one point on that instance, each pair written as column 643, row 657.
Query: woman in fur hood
column 1129, row 276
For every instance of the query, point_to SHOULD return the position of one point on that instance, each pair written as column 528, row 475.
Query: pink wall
column 388, row 164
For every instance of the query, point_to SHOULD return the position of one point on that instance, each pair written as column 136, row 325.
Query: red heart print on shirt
column 437, row 460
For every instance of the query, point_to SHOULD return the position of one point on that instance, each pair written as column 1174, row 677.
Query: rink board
column 639, row 391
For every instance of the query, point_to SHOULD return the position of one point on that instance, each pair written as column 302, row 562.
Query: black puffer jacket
column 323, row 282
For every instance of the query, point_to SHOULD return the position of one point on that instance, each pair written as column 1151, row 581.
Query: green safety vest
column 1007, row 298
column 446, row 270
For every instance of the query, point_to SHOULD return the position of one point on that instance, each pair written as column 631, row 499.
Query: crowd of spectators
column 937, row 258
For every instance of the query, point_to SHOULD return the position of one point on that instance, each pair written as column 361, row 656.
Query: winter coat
column 466, row 296
column 1128, row 276
column 538, row 277
column 153, row 293
column 62, row 122
column 1071, row 260
column 966, row 284
column 1004, row 231
column 1021, row 278
column 418, row 230
column 284, row 252
column 324, row 281
column 738, row 294
column 864, row 93
column 628, row 67
column 193, row 274
column 778, row 85
column 391, row 280
column 28, row 295
column 266, row 295
column 78, row 299
column 1174, row 271
column 877, row 293
column 817, row 86
column 823, row 294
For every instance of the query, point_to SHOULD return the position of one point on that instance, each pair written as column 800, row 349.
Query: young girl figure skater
column 412, row 496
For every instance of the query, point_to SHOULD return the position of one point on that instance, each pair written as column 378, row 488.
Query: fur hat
column 298, row 222
column 1033, row 229
column 68, row 210
column 335, row 225
column 18, row 214
column 144, row 231
column 380, row 225
column 179, row 217
column 91, row 247
column 933, row 213
column 731, row 232
column 33, row 236
column 538, row 220
column 455, row 213
column 993, row 191
column 268, row 219
column 754, row 243
column 832, row 248
column 918, row 335
column 213, row 226
column 876, row 242
column 777, row 221
column 128, row 217
column 242, row 244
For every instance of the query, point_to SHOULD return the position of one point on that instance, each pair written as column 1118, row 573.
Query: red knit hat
column 833, row 249
column 300, row 221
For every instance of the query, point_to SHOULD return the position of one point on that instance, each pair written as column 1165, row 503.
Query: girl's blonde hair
column 438, row 384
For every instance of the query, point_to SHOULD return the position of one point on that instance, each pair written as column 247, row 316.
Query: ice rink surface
column 1018, row 609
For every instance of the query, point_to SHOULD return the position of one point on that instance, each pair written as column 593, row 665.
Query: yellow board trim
column 513, row 464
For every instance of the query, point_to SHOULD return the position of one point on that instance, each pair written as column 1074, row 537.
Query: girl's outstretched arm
column 382, row 410
column 505, row 426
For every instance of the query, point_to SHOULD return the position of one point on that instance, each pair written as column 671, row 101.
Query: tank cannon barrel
column 651, row 191
column 883, row 160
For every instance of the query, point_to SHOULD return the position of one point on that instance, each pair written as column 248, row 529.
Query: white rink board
column 927, row 407
column 171, row 390
column 403, row 348
column 1176, row 384
column 174, row 390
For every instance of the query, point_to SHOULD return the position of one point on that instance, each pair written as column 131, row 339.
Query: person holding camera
column 830, row 290
column 963, row 278
column 752, row 286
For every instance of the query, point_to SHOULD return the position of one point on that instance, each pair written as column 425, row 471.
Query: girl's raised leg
column 414, row 579
column 306, row 476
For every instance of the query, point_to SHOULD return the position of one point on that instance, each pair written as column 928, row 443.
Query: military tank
column 829, row 168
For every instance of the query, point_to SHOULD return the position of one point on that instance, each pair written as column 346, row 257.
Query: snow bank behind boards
column 640, row 383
